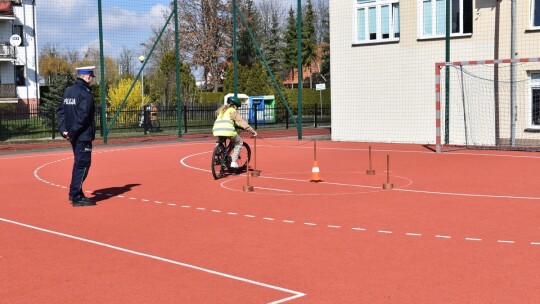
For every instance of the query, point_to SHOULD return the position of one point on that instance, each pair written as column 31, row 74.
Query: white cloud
column 73, row 24
column 62, row 7
column 122, row 18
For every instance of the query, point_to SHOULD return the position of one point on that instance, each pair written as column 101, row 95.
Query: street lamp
column 142, row 59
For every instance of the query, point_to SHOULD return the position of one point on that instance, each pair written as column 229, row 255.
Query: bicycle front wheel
column 243, row 158
column 217, row 161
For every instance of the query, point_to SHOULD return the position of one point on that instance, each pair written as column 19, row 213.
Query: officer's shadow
column 107, row 193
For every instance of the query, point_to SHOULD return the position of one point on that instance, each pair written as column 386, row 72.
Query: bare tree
column 322, row 17
column 270, row 10
column 73, row 56
column 206, row 35
column 125, row 62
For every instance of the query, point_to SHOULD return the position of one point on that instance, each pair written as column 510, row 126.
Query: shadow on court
column 107, row 193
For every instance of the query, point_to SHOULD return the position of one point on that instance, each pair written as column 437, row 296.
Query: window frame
column 533, row 7
column 420, row 16
column 19, row 30
column 20, row 75
column 534, row 85
column 393, row 6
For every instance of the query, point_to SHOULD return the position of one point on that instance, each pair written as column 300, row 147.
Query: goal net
column 490, row 104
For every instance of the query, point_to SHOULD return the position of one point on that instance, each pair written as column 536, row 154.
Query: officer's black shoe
column 81, row 201
column 82, row 196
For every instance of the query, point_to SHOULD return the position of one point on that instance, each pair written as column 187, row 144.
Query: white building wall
column 386, row 92
column 26, row 53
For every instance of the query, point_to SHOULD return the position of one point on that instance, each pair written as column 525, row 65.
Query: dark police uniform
column 76, row 117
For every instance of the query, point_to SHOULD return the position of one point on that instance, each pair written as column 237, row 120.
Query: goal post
column 493, row 104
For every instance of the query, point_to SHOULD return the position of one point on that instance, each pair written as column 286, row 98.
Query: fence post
column 100, row 122
column 286, row 119
column 53, row 124
column 315, row 109
column 255, row 115
column 185, row 118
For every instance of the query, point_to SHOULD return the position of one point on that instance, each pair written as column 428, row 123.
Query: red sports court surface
column 458, row 227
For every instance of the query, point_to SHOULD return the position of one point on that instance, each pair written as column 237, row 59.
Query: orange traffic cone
column 315, row 173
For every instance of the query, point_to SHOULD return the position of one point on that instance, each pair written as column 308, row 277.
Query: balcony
column 7, row 52
column 8, row 91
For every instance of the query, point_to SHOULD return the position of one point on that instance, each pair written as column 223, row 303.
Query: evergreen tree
column 51, row 99
column 252, row 81
column 309, row 39
column 273, row 46
column 246, row 52
column 164, row 81
column 291, row 47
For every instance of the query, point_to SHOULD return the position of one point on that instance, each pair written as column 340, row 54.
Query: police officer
column 77, row 124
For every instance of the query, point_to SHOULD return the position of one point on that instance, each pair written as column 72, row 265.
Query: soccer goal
column 488, row 104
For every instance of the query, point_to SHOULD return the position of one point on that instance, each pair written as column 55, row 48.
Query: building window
column 535, row 13
column 432, row 17
column 20, row 77
column 377, row 21
column 535, row 99
column 18, row 29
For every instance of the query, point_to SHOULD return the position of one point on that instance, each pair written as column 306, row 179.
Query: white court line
column 295, row 294
column 326, row 183
column 97, row 150
column 341, row 184
column 359, row 229
column 409, row 151
column 182, row 161
column 467, row 194
column 443, row 236
column 413, row 234
column 272, row 189
column 507, row 242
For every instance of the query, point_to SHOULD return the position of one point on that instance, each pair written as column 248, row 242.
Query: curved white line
column 272, row 189
column 296, row 294
column 288, row 221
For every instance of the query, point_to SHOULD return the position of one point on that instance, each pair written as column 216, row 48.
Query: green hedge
column 212, row 97
column 309, row 97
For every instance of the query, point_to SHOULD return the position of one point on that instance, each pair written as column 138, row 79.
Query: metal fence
column 29, row 123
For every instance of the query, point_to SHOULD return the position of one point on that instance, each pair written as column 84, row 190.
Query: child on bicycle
column 227, row 118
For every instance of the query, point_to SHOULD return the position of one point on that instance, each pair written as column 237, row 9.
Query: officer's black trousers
column 82, row 151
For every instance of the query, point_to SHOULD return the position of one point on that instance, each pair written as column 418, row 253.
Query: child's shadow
column 107, row 193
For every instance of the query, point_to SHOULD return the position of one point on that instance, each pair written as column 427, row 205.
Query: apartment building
column 18, row 57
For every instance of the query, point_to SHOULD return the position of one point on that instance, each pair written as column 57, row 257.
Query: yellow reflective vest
column 224, row 126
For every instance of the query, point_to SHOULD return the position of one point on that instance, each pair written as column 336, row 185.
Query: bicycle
column 222, row 155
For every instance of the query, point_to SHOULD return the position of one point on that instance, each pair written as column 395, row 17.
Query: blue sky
column 73, row 24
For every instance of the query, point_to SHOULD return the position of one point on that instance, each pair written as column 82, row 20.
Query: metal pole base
column 370, row 172
column 388, row 186
column 248, row 188
column 255, row 173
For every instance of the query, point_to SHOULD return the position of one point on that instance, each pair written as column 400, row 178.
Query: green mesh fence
column 162, row 75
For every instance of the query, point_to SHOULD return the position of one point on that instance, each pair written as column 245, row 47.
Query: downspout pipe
column 36, row 61
column 513, row 77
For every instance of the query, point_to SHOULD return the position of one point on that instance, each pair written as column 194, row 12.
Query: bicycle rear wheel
column 217, row 161
column 243, row 158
